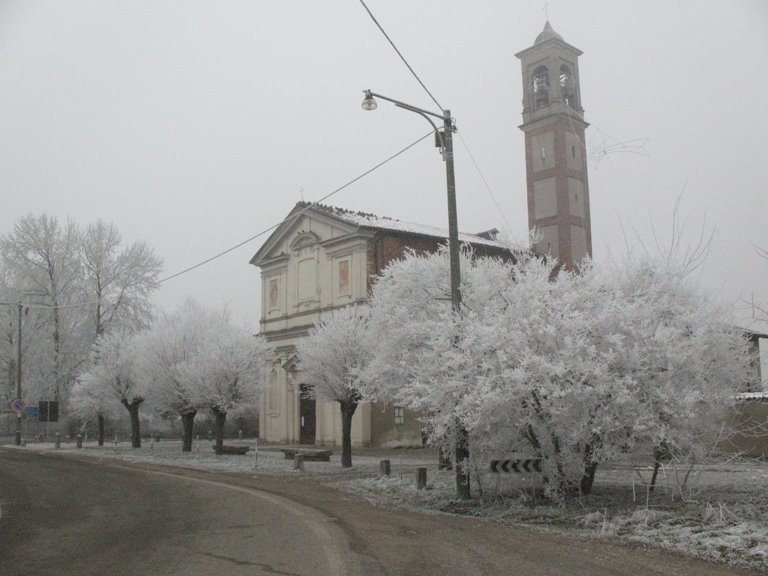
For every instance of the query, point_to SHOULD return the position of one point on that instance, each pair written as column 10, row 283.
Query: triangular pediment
column 303, row 227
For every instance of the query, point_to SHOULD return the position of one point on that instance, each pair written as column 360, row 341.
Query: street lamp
column 444, row 139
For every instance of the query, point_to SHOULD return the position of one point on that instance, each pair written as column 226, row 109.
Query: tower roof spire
column 547, row 34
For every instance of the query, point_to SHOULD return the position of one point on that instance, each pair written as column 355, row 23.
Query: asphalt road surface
column 64, row 516
column 68, row 515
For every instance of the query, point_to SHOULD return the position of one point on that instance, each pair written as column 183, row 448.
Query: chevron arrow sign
column 518, row 466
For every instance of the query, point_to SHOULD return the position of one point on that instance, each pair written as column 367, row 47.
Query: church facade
column 323, row 258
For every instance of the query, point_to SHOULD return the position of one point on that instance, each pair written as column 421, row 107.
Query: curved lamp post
column 444, row 140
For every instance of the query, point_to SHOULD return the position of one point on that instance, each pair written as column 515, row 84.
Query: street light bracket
column 369, row 103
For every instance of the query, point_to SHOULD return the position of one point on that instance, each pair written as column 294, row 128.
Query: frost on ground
column 721, row 514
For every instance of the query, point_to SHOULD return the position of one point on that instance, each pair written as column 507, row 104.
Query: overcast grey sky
column 194, row 125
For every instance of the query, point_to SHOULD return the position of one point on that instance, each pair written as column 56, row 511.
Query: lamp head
column 369, row 103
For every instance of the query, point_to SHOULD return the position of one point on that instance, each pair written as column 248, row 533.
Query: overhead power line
column 485, row 181
column 401, row 56
column 336, row 191
column 246, row 241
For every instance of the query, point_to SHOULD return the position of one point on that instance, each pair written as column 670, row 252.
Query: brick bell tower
column 556, row 164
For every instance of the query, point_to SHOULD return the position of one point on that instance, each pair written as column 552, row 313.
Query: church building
column 320, row 259
column 323, row 258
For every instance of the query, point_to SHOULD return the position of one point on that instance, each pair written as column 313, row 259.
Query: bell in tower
column 556, row 164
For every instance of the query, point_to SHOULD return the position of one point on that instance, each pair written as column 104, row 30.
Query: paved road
column 63, row 516
column 66, row 516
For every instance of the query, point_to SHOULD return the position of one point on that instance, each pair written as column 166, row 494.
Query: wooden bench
column 240, row 450
column 309, row 455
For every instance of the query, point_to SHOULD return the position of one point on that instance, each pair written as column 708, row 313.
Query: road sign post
column 18, row 406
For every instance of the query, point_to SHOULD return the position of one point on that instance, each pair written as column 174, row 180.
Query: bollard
column 298, row 462
column 384, row 468
column 57, row 440
column 79, row 438
column 239, row 434
column 41, row 437
column 421, row 478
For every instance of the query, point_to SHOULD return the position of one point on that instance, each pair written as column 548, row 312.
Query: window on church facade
column 399, row 415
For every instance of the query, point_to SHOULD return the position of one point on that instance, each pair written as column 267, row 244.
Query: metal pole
column 18, row 379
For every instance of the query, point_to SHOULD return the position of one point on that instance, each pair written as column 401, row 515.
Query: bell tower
column 556, row 164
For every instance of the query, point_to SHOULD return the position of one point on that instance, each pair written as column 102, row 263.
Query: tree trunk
column 100, row 419
column 588, row 478
column 590, row 465
column 133, row 410
column 187, row 421
column 463, row 488
column 221, row 419
column 347, row 411
column 656, row 466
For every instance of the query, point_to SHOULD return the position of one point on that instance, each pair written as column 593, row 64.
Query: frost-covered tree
column 118, row 280
column 572, row 368
column 41, row 254
column 91, row 398
column 173, row 340
column 75, row 284
column 113, row 371
column 333, row 359
column 418, row 361
column 226, row 371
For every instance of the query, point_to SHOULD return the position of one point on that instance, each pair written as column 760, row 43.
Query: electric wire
column 401, row 56
column 336, row 191
column 482, row 177
column 240, row 244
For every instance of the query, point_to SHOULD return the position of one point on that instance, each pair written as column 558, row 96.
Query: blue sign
column 32, row 412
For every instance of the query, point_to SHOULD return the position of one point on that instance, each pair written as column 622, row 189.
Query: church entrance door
column 306, row 417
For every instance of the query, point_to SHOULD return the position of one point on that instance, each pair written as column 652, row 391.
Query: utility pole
column 18, row 378
column 445, row 142
column 461, row 438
